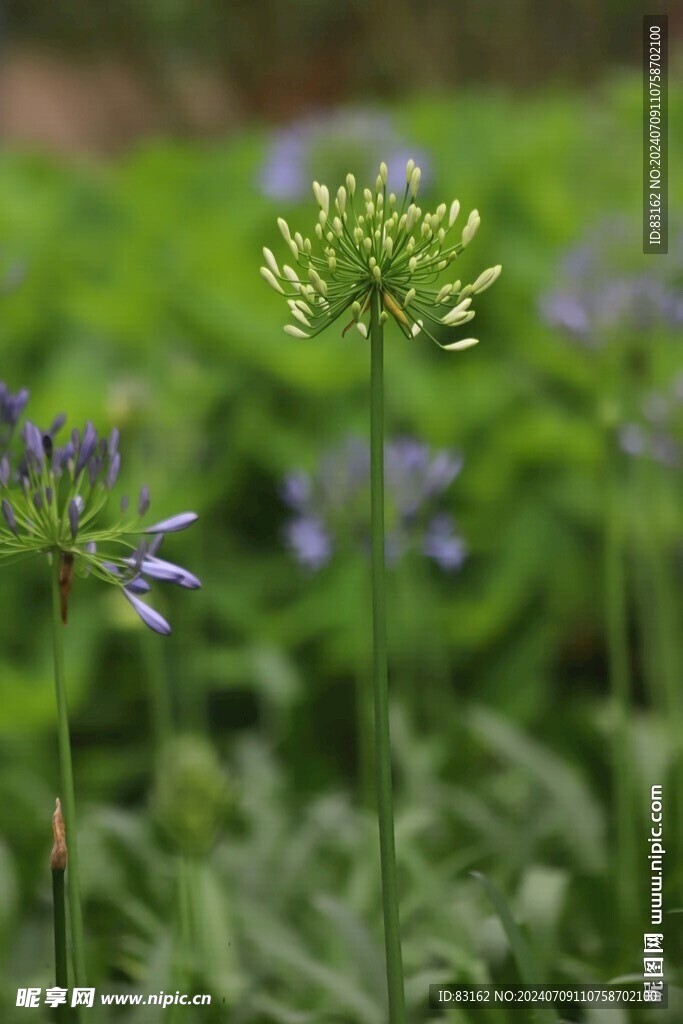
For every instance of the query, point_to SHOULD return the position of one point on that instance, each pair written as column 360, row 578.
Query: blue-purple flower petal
column 143, row 500
column 158, row 569
column 112, row 471
column 149, row 616
column 174, row 524
column 74, row 516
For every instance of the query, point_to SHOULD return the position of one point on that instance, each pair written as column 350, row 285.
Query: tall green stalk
column 620, row 680
column 661, row 615
column 68, row 797
column 385, row 809
column 58, row 861
column 160, row 708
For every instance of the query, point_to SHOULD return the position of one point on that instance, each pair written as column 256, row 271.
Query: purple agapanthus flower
column 607, row 288
column 330, row 505
column 53, row 500
column 609, row 293
column 11, row 408
column 325, row 145
column 656, row 433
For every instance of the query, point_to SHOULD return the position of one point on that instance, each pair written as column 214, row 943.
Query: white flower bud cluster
column 377, row 246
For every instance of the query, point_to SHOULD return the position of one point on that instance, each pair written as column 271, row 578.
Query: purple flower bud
column 20, row 402
column 138, row 555
column 138, row 586
column 34, row 443
column 154, row 545
column 8, row 513
column 61, row 457
column 87, row 449
column 112, row 471
column 144, row 500
column 74, row 516
column 57, row 424
column 90, row 549
column 38, row 501
column 148, row 615
column 167, row 572
column 12, row 406
column 174, row 524
column 94, row 467
column 113, row 443
column 125, row 502
column 49, row 495
column 4, row 471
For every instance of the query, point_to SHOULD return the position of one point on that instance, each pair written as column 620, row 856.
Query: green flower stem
column 160, row 708
column 385, row 808
column 69, row 800
column 364, row 740
column 661, row 609
column 620, row 679
column 60, row 928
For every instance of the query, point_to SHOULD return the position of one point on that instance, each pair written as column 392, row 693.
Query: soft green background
column 142, row 307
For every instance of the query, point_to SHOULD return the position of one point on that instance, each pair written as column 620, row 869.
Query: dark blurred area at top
column 84, row 76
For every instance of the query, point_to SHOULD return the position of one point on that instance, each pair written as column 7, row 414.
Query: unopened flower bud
column 458, row 346
column 269, row 277
column 486, row 279
column 470, row 228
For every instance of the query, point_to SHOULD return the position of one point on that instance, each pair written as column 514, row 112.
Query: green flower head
column 379, row 245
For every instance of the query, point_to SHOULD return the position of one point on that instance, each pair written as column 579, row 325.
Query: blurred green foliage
column 142, row 307
column 330, row 50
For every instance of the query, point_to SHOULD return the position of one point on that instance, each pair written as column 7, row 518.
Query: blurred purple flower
column 309, row 541
column 331, row 504
column 443, row 545
column 609, row 291
column 603, row 290
column 326, row 145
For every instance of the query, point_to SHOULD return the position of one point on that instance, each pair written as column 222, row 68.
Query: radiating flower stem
column 620, row 680
column 68, row 797
column 385, row 808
